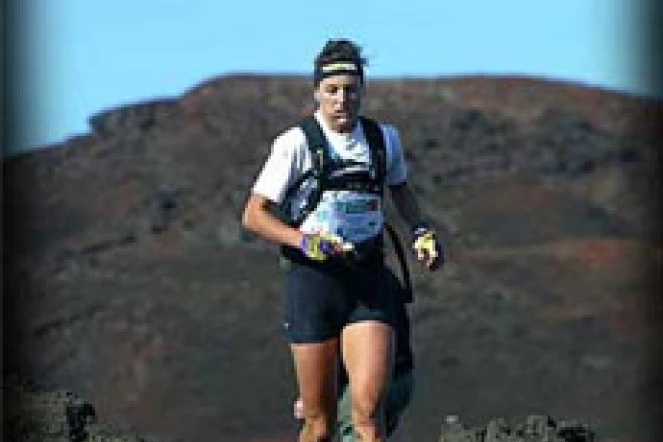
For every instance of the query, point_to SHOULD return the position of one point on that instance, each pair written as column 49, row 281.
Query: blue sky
column 82, row 56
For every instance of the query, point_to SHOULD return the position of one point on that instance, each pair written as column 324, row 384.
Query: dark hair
column 336, row 51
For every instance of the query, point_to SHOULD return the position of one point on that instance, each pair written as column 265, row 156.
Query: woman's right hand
column 319, row 246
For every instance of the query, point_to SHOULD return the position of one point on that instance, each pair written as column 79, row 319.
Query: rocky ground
column 61, row 416
column 129, row 281
column 55, row 416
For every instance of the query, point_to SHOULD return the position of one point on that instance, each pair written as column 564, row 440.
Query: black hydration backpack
column 323, row 172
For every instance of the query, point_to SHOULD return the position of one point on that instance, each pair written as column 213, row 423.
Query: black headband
column 337, row 68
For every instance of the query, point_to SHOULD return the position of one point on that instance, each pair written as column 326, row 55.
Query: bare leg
column 315, row 365
column 367, row 354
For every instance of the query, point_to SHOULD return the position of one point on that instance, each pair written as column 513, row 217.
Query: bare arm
column 259, row 219
column 432, row 255
column 406, row 204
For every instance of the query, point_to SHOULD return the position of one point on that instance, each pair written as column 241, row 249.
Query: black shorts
column 321, row 299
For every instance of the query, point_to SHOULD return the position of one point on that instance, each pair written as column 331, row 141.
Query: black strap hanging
column 402, row 260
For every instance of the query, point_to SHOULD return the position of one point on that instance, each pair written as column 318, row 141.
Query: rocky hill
column 129, row 281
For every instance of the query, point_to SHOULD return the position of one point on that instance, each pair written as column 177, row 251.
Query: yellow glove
column 427, row 247
column 321, row 245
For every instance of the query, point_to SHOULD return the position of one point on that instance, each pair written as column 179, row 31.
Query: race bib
column 353, row 216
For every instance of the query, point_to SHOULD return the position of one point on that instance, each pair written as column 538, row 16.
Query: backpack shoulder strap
column 377, row 146
column 317, row 145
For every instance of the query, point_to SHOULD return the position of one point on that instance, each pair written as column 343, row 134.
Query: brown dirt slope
column 130, row 282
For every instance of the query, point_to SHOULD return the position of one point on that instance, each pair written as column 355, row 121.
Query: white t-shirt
column 290, row 158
